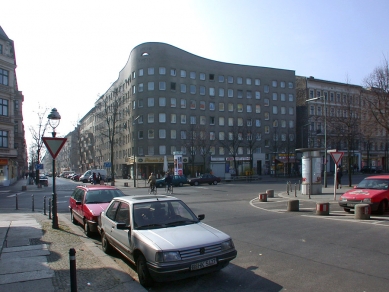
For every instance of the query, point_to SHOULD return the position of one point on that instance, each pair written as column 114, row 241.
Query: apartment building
column 170, row 98
column 13, row 151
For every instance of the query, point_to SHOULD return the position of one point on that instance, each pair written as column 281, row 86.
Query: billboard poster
column 178, row 165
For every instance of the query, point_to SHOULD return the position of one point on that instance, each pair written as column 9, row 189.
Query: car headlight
column 226, row 245
column 168, row 256
column 367, row 200
column 343, row 199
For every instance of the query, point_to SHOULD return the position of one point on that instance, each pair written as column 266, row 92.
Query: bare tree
column 37, row 134
column 204, row 145
column 232, row 142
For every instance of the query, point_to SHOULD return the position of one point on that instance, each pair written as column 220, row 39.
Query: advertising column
column 178, row 165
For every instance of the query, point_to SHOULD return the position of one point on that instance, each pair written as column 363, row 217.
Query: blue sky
column 69, row 52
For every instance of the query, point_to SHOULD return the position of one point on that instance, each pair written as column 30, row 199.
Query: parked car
column 87, row 202
column 206, row 178
column 177, row 181
column 372, row 190
column 163, row 238
column 85, row 177
column 44, row 180
column 371, row 169
column 75, row 177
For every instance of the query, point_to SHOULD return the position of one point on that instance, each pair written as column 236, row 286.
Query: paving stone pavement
column 35, row 257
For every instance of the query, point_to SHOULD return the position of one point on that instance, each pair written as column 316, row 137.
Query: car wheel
column 143, row 272
column 159, row 185
column 87, row 229
column 215, row 182
column 347, row 210
column 196, row 183
column 74, row 221
column 381, row 208
column 106, row 246
column 180, row 184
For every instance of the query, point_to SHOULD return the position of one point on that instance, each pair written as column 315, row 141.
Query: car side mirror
column 355, row 187
column 122, row 226
column 201, row 217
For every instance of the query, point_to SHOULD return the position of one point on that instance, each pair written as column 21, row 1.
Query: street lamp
column 54, row 119
column 302, row 134
column 325, row 135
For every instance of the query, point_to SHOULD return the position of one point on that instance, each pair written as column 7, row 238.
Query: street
column 277, row 250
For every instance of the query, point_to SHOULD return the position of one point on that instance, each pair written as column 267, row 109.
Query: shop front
column 8, row 171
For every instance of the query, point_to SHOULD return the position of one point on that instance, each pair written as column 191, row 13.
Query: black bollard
column 32, row 197
column 73, row 271
column 44, row 205
column 50, row 208
column 17, row 203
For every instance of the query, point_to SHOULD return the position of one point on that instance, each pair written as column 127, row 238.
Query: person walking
column 94, row 178
column 168, row 180
column 339, row 175
column 152, row 181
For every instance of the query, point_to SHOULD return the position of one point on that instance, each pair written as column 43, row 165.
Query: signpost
column 54, row 145
column 337, row 157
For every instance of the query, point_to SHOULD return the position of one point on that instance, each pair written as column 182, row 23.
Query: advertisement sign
column 178, row 165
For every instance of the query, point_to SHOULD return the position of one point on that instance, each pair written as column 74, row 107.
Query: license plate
column 350, row 205
column 204, row 264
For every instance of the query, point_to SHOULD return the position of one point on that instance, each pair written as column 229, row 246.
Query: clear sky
column 69, row 52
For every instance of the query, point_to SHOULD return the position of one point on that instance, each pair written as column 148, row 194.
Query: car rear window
column 378, row 184
column 102, row 196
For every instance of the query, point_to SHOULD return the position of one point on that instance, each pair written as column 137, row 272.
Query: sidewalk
column 327, row 194
column 35, row 257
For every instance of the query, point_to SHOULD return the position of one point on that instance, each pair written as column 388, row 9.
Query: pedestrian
column 94, row 178
column 339, row 175
column 98, row 178
column 152, row 181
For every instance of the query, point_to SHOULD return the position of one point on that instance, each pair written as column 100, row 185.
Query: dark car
column 206, row 178
column 87, row 202
column 177, row 181
column 371, row 169
column 44, row 180
column 372, row 190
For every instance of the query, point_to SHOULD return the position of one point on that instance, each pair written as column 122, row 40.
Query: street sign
column 337, row 156
column 39, row 166
column 107, row 164
column 54, row 145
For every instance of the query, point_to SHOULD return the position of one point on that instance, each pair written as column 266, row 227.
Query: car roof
column 145, row 198
column 385, row 176
column 97, row 187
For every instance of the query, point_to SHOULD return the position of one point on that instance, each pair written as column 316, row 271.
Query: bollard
column 73, row 271
column 262, row 197
column 44, row 205
column 293, row 205
column 322, row 208
column 299, row 186
column 24, row 188
column 17, row 203
column 287, row 188
column 362, row 211
column 295, row 190
column 50, row 208
column 126, row 184
column 32, row 197
column 270, row 193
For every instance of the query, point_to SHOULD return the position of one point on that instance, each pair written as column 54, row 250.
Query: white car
column 163, row 238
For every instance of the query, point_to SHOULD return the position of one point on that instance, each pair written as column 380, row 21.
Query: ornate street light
column 54, row 120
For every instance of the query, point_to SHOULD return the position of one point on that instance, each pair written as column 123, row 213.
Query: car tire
column 72, row 218
column 196, row 183
column 87, row 229
column 143, row 272
column 159, row 185
column 215, row 182
column 105, row 245
column 347, row 210
column 180, row 184
column 381, row 208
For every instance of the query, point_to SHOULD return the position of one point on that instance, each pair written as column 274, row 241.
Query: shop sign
column 3, row 161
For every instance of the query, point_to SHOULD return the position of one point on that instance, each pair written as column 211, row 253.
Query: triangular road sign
column 337, row 156
column 54, row 145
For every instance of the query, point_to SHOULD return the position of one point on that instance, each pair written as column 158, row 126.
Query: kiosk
column 311, row 166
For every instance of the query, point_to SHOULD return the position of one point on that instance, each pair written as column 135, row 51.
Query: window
column 291, row 97
column 203, row 120
column 230, row 93
column 266, row 102
column 230, row 107
column 249, row 108
column 1, row 49
column 202, row 105
column 173, row 72
column 283, row 110
column 283, row 123
column 275, row 96
column 211, row 106
column 150, row 102
column 282, row 97
column 183, row 88
column 202, row 90
column 150, row 150
column 150, row 71
column 266, row 116
column 274, row 83
column 221, row 121
column 267, row 129
column 183, row 119
column 249, row 122
column 3, row 107
column 290, row 84
column 240, row 93
column 162, row 133
column 140, row 87
column 239, row 80
column 211, row 91
column 221, row 78
column 248, row 81
column 173, row 134
column 3, row 139
column 162, row 70
column 162, row 85
column 202, row 76
column 212, row 120
column 275, row 123
column 192, row 75
column 221, row 92
column 257, row 82
column 257, row 108
column 172, row 86
column 282, row 84
column 211, row 77
column 221, row 106
column 257, row 122
column 239, row 107
column 162, row 101
column 275, row 110
column 173, row 102
column 173, row 118
column 162, row 149
column 221, row 136
column 162, row 117
column 291, row 124
column 192, row 104
column 212, row 136
column 150, row 86
column 192, row 89
column 150, row 118
column 240, row 122
column 230, row 79
column 183, row 73
column 183, row 103
column 266, row 88
column 150, row 133
column 257, row 95
column 140, row 72
column 183, row 135
column 291, row 111
column 133, row 89
column 193, row 120
column 248, row 94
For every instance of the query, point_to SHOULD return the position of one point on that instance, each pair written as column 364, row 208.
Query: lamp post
column 136, row 137
column 325, row 135
column 302, row 135
column 54, row 119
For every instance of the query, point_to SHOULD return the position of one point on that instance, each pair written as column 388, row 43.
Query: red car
column 87, row 202
column 372, row 190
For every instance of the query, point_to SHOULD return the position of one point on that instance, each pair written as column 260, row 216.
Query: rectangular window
column 162, row 133
column 240, row 122
column 192, row 89
column 230, row 93
column 150, row 118
column 203, row 120
column 173, row 134
column 150, row 150
column 162, row 149
column 291, row 111
column 221, row 78
column 192, row 75
column 221, row 92
column 249, row 108
column 221, row 106
column 291, row 97
column 275, row 96
column 173, row 102
column 183, row 103
column 221, row 136
column 202, row 76
column 257, row 95
column 239, row 107
column 211, row 106
column 150, row 86
column 133, row 75
column 211, row 91
column 257, row 82
column 248, row 94
column 183, row 88
column 183, row 119
column 248, row 81
column 257, row 122
column 282, row 84
column 183, row 135
column 283, row 110
column 140, row 87
column 150, row 134
column 162, row 101
column 162, row 85
column 212, row 136
column 150, row 102
column 257, row 108
column 283, row 98
column 202, row 90
column 140, row 72
column 274, row 83
column 239, row 80
column 162, row 70
column 230, row 79
column 150, row 71
column 230, row 107
column 173, row 118
column 202, row 105
column 221, row 121
column 212, row 120
column 173, row 72
column 162, row 117
column 3, row 139
column 183, row 73
column 275, row 109
column 240, row 93
column 192, row 104
column 266, row 102
column 172, row 86
column 3, row 107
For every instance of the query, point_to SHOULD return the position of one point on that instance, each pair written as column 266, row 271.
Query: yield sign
column 54, row 145
column 337, row 156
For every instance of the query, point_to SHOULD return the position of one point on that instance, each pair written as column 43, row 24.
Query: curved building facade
column 211, row 112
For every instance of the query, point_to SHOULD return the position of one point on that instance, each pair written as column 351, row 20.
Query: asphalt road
column 277, row 250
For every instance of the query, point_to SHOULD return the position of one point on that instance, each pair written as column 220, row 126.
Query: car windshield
column 102, row 196
column 377, row 184
column 162, row 214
